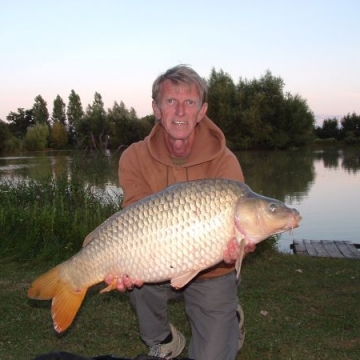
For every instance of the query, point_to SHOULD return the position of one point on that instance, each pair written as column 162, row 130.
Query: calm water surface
column 330, row 208
column 324, row 185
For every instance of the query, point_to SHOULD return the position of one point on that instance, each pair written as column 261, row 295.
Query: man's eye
column 170, row 101
column 191, row 102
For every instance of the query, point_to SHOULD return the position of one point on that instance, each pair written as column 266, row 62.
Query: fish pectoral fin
column 239, row 260
column 65, row 301
column 182, row 280
column 111, row 286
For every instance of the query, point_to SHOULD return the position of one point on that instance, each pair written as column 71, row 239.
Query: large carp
column 171, row 235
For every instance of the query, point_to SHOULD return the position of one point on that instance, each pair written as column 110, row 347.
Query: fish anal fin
column 65, row 301
column 65, row 306
column 182, row 280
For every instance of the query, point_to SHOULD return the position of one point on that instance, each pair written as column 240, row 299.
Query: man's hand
column 232, row 252
column 122, row 283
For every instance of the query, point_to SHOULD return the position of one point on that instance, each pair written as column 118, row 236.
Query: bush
column 12, row 145
column 36, row 137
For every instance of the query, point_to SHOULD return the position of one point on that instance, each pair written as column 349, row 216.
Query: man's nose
column 180, row 109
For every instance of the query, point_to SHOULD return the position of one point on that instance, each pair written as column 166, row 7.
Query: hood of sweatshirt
column 209, row 143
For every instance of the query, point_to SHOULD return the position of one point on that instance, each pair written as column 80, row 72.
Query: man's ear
column 202, row 112
column 156, row 110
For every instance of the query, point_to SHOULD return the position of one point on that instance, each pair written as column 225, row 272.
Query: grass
column 295, row 308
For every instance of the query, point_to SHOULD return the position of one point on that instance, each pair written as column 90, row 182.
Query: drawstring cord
column 168, row 175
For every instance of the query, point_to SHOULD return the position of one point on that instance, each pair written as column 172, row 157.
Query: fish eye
column 273, row 207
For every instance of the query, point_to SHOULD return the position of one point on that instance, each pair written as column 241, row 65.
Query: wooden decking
column 326, row 248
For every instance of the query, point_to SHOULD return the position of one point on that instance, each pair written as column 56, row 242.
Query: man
column 184, row 145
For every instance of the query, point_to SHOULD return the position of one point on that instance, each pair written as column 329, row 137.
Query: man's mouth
column 180, row 123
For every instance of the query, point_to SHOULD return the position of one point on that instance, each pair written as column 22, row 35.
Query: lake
column 323, row 184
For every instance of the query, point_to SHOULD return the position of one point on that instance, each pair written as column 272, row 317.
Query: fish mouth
column 294, row 222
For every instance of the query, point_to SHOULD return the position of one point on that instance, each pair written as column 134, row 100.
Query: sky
column 117, row 48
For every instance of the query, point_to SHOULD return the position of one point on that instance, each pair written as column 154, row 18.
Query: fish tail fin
column 65, row 300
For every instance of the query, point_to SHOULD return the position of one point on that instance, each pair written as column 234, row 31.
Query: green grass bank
column 295, row 308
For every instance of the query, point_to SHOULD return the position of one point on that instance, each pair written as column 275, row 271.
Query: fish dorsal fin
column 90, row 237
column 182, row 280
column 240, row 258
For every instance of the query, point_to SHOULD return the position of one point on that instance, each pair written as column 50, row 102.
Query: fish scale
column 171, row 235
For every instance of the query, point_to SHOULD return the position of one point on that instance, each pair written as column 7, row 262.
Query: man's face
column 179, row 108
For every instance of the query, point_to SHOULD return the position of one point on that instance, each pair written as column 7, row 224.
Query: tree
column 222, row 102
column 58, row 113
column 260, row 103
column 299, row 126
column 40, row 111
column 330, row 129
column 58, row 135
column 36, row 137
column 125, row 127
column 257, row 113
column 93, row 127
column 20, row 121
column 5, row 135
column 350, row 130
column 75, row 113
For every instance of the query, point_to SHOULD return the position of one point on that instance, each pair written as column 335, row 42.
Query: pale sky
column 117, row 48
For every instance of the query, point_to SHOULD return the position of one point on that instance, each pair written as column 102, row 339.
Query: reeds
column 48, row 219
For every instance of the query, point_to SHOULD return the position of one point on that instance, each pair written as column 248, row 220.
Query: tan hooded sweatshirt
column 146, row 167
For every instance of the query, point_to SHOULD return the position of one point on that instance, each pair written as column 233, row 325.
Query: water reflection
column 348, row 159
column 96, row 169
column 330, row 204
column 92, row 169
column 351, row 161
column 278, row 174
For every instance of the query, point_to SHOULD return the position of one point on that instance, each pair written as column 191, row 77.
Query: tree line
column 253, row 113
column 71, row 126
column 346, row 129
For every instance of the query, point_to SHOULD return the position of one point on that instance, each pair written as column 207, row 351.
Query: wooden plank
column 319, row 248
column 353, row 249
column 343, row 247
column 310, row 248
column 327, row 248
column 299, row 247
column 332, row 249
